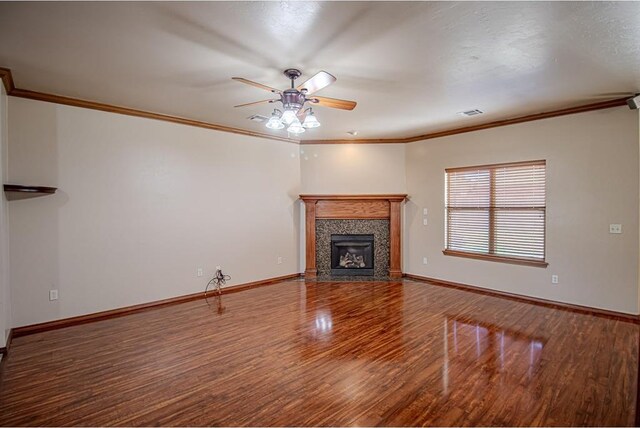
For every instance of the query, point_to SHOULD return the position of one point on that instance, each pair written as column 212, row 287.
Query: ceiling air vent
column 258, row 118
column 473, row 112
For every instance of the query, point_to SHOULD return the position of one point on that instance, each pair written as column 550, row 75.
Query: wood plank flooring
column 329, row 353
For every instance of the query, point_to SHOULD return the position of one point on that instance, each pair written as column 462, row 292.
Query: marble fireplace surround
column 379, row 228
column 354, row 207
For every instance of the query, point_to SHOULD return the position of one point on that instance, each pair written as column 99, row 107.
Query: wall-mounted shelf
column 16, row 191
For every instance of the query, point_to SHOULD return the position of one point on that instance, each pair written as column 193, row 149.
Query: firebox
column 352, row 254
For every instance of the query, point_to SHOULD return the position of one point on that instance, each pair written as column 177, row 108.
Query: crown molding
column 58, row 99
column 12, row 90
column 7, row 80
column 358, row 141
column 503, row 122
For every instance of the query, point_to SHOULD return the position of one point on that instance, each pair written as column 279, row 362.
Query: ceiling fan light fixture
column 295, row 127
column 294, row 99
column 289, row 116
column 275, row 122
column 310, row 121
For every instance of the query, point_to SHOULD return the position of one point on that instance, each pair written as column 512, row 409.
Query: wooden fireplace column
column 349, row 207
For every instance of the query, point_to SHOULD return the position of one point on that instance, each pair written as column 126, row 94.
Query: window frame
column 492, row 209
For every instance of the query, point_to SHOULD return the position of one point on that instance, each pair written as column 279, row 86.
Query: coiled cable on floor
column 218, row 280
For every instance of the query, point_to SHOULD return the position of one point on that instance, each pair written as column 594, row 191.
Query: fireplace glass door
column 352, row 255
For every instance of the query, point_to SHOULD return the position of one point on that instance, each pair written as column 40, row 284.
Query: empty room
column 291, row 213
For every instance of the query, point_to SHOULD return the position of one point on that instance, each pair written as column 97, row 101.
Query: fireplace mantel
column 349, row 207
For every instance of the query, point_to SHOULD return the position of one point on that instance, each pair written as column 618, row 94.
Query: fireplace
column 352, row 255
column 326, row 215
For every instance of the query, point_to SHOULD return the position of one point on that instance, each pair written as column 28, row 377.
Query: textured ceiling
column 410, row 65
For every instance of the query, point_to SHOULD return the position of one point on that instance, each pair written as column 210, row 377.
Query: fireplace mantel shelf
column 349, row 207
column 367, row 197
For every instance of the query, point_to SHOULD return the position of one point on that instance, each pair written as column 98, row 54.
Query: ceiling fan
column 294, row 99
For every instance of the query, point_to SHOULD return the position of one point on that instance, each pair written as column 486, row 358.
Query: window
column 497, row 212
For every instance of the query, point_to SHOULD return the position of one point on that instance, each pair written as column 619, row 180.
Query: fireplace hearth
column 352, row 255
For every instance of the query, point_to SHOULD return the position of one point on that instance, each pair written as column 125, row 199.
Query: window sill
column 493, row 258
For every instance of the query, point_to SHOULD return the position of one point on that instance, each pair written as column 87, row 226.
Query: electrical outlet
column 218, row 268
column 279, row 260
column 425, row 211
column 424, row 260
column 53, row 295
column 424, row 221
column 199, row 272
column 615, row 228
column 554, row 279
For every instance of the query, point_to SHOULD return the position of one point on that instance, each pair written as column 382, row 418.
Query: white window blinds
column 497, row 210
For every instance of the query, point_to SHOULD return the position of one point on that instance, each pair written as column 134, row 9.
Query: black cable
column 217, row 281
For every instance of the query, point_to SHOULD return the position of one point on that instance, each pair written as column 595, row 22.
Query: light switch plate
column 424, row 221
column 615, row 228
column 53, row 295
column 425, row 211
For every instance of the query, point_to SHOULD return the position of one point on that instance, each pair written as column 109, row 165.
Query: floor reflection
column 496, row 348
column 214, row 301
column 330, row 320
column 486, row 351
column 324, row 324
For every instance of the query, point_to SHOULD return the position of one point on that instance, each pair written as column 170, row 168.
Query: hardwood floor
column 384, row 353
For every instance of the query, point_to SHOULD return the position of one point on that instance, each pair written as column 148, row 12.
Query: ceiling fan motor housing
column 292, row 99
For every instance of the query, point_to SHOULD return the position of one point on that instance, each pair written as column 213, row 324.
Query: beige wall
column 353, row 168
column 5, row 307
column 141, row 204
column 592, row 181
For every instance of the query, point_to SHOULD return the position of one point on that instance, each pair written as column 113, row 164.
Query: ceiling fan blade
column 257, row 85
column 256, row 102
column 320, row 80
column 334, row 103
